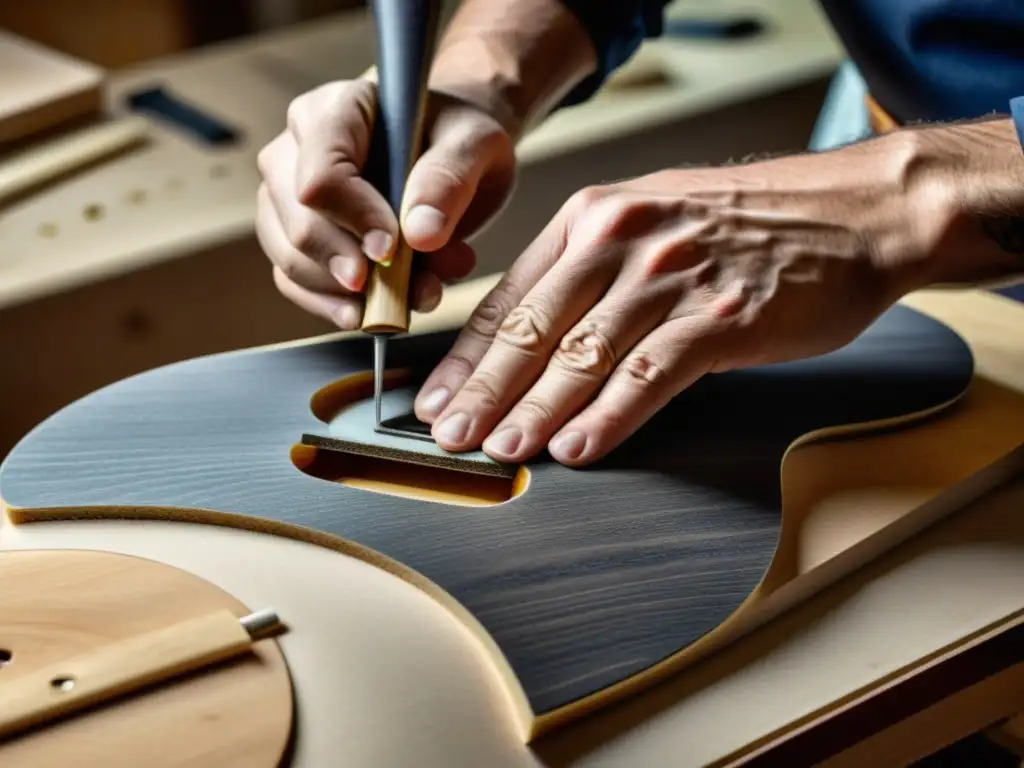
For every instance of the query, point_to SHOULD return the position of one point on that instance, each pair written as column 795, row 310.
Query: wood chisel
column 406, row 32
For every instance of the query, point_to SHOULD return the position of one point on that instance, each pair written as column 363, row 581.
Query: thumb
column 333, row 126
column 446, row 178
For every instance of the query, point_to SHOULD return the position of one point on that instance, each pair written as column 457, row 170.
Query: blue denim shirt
column 929, row 60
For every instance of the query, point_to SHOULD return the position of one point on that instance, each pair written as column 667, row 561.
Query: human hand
column 319, row 221
column 635, row 290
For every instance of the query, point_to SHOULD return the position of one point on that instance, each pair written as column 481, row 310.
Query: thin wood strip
column 41, row 165
column 70, row 685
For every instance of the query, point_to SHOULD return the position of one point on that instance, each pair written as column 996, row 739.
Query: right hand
column 319, row 222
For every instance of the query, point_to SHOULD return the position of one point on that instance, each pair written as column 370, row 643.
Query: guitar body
column 586, row 584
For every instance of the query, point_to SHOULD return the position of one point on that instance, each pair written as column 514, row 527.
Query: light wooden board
column 588, row 584
column 42, row 88
column 914, row 496
column 59, row 604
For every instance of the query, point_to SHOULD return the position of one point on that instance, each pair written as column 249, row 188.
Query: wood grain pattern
column 67, row 605
column 116, row 669
column 587, row 579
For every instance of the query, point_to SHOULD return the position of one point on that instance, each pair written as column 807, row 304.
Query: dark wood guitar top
column 588, row 578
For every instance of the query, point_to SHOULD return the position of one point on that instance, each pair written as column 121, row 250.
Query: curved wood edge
column 531, row 726
column 754, row 611
column 522, row 713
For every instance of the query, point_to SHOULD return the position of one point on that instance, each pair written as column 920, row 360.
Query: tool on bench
column 126, row 666
column 39, row 165
column 406, row 31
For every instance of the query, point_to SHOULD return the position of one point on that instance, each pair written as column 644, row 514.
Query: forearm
column 974, row 174
column 515, row 58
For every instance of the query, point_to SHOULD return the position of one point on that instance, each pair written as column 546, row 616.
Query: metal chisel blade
column 380, row 350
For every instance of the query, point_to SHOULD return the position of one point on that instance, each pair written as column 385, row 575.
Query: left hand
column 637, row 289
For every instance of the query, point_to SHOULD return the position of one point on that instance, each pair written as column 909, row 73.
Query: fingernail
column 347, row 317
column 346, row 272
column 435, row 402
column 454, row 429
column 506, row 442
column 568, row 446
column 424, row 222
column 377, row 245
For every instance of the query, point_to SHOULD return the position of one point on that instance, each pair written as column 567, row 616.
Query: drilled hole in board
column 5, row 657
column 48, row 229
column 136, row 197
column 63, row 683
column 93, row 212
column 220, row 171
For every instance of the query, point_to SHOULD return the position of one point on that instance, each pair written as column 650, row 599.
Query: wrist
column 959, row 183
column 513, row 60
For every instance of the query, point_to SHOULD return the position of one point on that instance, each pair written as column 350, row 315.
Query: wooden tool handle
column 43, row 164
column 119, row 668
column 406, row 32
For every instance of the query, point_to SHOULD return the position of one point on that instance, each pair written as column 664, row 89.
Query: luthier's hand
column 637, row 289
column 319, row 220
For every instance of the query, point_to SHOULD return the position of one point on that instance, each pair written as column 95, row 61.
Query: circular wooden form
column 57, row 604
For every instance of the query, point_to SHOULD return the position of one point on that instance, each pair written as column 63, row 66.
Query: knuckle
column 525, row 328
column 612, row 419
column 495, row 307
column 674, row 255
column 586, row 350
column 495, row 139
column 585, row 199
column 621, row 218
column 642, row 369
column 264, row 158
column 296, row 111
column 444, row 174
column 478, row 138
column 483, row 388
column 303, row 235
column 291, row 267
column 536, row 410
column 326, row 187
column 282, row 282
column 459, row 364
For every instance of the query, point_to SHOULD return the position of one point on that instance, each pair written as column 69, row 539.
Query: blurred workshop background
column 129, row 131
column 146, row 255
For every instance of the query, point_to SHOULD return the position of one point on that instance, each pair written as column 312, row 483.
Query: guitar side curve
column 583, row 597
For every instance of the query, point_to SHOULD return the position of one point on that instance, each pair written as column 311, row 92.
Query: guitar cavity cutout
column 350, row 452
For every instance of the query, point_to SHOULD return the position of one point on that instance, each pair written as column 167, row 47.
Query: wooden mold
column 586, row 586
column 60, row 607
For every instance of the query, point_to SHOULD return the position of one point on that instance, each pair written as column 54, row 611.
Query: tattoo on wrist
column 1005, row 231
